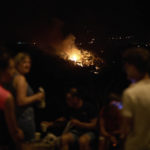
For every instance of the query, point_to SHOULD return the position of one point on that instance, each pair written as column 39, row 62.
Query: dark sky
column 35, row 20
column 31, row 19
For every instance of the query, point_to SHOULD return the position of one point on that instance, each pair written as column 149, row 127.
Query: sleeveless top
column 24, row 114
column 10, row 87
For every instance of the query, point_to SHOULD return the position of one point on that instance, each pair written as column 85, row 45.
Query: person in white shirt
column 136, row 99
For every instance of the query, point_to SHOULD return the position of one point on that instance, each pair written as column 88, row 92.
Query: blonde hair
column 20, row 57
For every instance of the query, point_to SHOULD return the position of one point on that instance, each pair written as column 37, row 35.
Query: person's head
column 136, row 62
column 73, row 98
column 23, row 62
column 7, row 67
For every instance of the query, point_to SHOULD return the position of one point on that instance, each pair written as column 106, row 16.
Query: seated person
column 81, row 118
column 110, row 123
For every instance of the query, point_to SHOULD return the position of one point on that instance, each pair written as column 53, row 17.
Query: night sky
column 30, row 20
column 46, row 21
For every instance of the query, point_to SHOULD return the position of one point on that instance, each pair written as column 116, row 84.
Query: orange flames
column 84, row 58
column 78, row 56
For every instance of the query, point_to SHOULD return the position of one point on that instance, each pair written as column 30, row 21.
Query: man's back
column 136, row 100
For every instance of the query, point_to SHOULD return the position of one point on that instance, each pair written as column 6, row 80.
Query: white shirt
column 136, row 105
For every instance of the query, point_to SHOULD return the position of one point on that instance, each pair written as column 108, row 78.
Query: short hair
column 20, row 57
column 139, row 57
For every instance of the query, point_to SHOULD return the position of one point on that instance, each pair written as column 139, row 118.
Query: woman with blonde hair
column 25, row 96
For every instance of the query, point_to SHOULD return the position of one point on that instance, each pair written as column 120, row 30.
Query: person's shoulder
column 5, row 97
column 7, row 94
column 131, row 93
column 127, row 93
column 4, row 93
column 19, row 78
column 130, row 89
column 134, row 88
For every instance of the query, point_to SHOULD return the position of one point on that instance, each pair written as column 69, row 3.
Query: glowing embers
column 74, row 55
column 78, row 56
column 81, row 58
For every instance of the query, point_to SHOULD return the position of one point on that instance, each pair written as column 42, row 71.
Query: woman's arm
column 85, row 125
column 20, row 85
column 10, row 117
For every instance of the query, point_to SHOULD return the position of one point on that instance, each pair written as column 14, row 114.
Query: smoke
column 55, row 43
column 67, row 46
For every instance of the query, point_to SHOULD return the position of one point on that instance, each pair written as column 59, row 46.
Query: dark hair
column 74, row 92
column 139, row 57
column 4, row 60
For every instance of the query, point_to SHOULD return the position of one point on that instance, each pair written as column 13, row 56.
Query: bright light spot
column 19, row 43
column 96, row 72
column 74, row 57
column 80, row 57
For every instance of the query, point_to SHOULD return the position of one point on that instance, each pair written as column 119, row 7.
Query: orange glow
column 74, row 57
column 80, row 57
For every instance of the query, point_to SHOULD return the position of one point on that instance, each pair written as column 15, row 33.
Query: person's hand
column 46, row 123
column 75, row 122
column 40, row 96
column 19, row 136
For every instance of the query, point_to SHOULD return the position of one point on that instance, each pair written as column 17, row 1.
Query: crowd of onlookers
column 122, row 123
